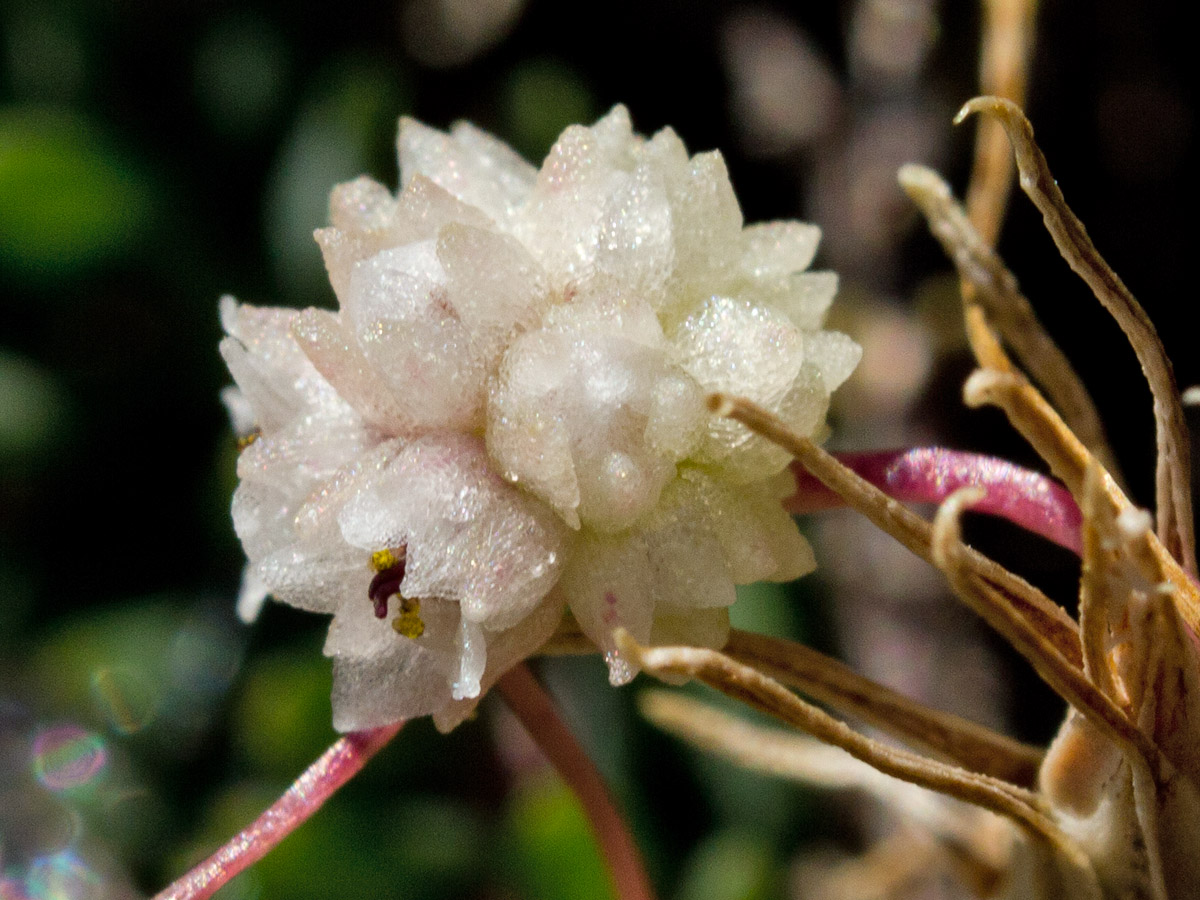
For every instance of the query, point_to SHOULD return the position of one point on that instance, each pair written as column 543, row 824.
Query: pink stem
column 337, row 765
column 930, row 474
column 536, row 711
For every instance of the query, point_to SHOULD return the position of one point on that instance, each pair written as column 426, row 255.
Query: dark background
column 156, row 155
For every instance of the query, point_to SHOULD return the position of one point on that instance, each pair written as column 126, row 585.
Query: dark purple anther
column 384, row 586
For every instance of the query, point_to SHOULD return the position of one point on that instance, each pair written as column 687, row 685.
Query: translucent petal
column 403, row 321
column 608, row 584
column 635, row 238
column 470, row 165
column 494, row 285
column 361, row 205
column 504, row 650
column 806, row 298
column 778, row 248
column 689, row 627
column 335, row 353
column 470, row 537
column 834, row 354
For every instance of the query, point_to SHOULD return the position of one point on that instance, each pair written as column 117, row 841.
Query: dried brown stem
column 1173, row 494
column 1017, row 603
column 834, row 684
column 1069, row 460
column 751, row 687
column 1023, row 618
column 1008, row 34
column 1069, row 682
column 1005, row 307
column 536, row 711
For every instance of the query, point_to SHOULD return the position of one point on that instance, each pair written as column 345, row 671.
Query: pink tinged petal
column 405, row 323
column 608, row 583
column 366, row 222
column 298, row 456
column 930, row 474
column 340, row 251
column 470, row 537
column 275, row 376
column 337, row 765
column 272, row 406
column 361, row 206
column 466, row 164
column 424, row 208
column 494, row 286
column 335, row 353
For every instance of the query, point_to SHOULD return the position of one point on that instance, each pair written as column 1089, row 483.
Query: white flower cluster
column 505, row 418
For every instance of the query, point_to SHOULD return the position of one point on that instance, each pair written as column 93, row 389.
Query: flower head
column 504, row 420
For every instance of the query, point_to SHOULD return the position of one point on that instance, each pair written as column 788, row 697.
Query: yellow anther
column 245, row 440
column 382, row 560
column 409, row 623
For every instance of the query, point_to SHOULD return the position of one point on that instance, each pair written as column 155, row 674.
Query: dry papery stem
column 970, row 847
column 1173, row 480
column 749, row 686
column 1131, row 724
column 834, row 684
column 1018, row 611
column 992, row 288
column 1008, row 35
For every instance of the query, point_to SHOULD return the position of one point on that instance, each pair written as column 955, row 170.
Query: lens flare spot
column 66, row 757
column 125, row 697
column 13, row 889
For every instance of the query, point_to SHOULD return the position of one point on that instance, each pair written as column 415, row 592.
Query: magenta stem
column 930, row 474
column 337, row 765
column 536, row 711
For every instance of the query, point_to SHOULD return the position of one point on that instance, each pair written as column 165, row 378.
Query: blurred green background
column 156, row 155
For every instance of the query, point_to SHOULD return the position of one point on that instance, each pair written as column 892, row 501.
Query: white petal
column 608, row 584
column 504, row 650
column 778, row 248
column 468, row 164
column 251, row 596
column 335, row 353
column 470, row 537
column 635, row 238
column 834, row 354
column 402, row 318
column 494, row 285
